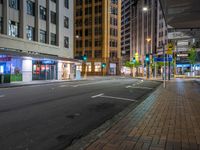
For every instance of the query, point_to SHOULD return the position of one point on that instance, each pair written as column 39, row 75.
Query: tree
column 192, row 54
column 131, row 65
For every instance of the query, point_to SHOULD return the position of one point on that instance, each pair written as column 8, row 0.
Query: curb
column 95, row 134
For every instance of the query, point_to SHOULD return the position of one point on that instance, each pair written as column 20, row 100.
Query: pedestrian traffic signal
column 84, row 58
column 147, row 58
column 103, row 65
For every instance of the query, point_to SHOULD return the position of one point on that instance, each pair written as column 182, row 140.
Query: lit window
column 30, row 33
column 13, row 28
column 97, row 66
column 89, row 66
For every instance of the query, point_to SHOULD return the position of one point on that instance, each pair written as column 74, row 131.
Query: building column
column 5, row 16
column 37, row 19
column 60, row 71
column 48, row 21
column 27, row 70
column 22, row 19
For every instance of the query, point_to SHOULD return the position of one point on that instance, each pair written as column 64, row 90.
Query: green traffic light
column 103, row 65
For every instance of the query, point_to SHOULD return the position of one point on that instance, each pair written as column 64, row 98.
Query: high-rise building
column 98, row 36
column 36, row 39
column 126, row 30
column 144, row 20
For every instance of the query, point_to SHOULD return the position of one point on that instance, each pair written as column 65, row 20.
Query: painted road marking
column 137, row 87
column 2, row 96
column 62, row 86
column 88, row 83
column 111, row 97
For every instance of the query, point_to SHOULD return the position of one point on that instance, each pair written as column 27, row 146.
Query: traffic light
column 147, row 58
column 134, row 60
column 103, row 65
column 84, row 58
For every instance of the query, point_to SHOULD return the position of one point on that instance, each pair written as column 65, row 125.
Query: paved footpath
column 167, row 120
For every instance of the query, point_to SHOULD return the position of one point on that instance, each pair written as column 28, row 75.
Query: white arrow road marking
column 111, row 97
column 2, row 96
column 63, row 86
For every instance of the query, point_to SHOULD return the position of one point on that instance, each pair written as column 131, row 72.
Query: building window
column 53, row 39
column 14, row 4
column 1, row 1
column 66, row 42
column 98, row 54
column 43, row 36
column 89, row 66
column 13, row 28
column 66, row 3
column 66, row 22
column 79, row 67
column 53, row 17
column 97, row 66
column 30, row 7
column 53, row 1
column 30, row 33
column 42, row 13
column 1, row 25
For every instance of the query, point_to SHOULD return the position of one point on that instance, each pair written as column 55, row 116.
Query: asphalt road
column 52, row 116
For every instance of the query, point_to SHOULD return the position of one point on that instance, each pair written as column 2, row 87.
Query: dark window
column 13, row 28
column 30, row 31
column 66, row 3
column 14, row 4
column 1, row 1
column 66, row 22
column 53, row 39
column 43, row 36
column 30, row 7
column 53, row 17
column 98, row 53
column 66, row 42
column 42, row 13
column 53, row 1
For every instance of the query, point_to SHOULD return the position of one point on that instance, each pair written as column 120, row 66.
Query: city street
column 52, row 116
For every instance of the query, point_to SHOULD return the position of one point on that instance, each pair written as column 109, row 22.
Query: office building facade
column 98, row 36
column 36, row 39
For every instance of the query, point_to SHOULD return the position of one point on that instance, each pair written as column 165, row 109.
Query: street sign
column 162, row 59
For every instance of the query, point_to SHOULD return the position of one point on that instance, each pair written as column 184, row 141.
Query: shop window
column 66, row 42
column 79, row 67
column 14, row 4
column 42, row 36
column 30, row 31
column 42, row 13
column 97, row 66
column 30, row 7
column 89, row 66
column 13, row 28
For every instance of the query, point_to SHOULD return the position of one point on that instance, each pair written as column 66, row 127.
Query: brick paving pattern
column 167, row 120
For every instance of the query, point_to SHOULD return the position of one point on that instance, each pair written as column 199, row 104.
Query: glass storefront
column 44, row 70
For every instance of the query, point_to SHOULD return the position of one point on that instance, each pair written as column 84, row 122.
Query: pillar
column 27, row 70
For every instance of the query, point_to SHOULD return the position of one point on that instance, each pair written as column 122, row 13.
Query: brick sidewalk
column 169, row 119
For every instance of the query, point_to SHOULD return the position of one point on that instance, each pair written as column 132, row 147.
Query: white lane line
column 63, row 86
column 2, row 96
column 88, row 84
column 141, row 88
column 99, row 95
column 111, row 97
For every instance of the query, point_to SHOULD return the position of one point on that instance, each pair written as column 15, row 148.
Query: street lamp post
column 146, row 9
column 84, row 59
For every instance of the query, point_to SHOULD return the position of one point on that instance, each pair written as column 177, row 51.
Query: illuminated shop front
column 44, row 70
column 10, row 68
